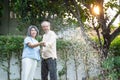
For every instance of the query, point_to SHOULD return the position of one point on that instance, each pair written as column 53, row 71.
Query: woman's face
column 33, row 32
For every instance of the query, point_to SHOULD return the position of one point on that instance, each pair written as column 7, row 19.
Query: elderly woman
column 31, row 53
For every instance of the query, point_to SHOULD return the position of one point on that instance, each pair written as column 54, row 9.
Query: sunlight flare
column 96, row 10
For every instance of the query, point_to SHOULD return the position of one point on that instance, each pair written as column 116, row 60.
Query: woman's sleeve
column 27, row 40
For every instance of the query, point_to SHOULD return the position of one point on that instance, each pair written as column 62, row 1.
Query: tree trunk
column 8, row 60
column 76, row 63
column 65, row 55
column 105, row 31
column 20, row 63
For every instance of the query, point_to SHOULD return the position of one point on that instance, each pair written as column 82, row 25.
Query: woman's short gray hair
column 29, row 30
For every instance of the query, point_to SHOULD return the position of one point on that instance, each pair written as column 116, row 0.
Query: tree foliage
column 103, row 28
column 37, row 10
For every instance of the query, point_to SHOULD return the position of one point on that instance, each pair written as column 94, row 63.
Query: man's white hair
column 45, row 23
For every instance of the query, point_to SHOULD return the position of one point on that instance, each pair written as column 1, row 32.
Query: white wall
column 14, row 69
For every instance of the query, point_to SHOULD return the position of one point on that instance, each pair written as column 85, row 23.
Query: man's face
column 45, row 28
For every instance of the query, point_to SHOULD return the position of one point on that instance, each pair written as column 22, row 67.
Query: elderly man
column 49, row 56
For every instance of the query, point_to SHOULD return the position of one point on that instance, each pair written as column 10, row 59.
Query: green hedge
column 9, row 45
column 14, row 44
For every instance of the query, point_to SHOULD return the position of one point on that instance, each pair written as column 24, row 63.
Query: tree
column 82, row 10
column 35, row 11
column 80, row 13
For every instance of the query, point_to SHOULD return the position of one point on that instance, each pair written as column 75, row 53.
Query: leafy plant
column 115, row 46
column 111, row 65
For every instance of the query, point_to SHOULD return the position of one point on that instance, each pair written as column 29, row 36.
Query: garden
column 88, row 44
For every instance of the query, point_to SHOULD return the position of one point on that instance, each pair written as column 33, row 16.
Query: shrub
column 111, row 65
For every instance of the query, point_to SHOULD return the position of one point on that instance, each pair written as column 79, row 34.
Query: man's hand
column 42, row 44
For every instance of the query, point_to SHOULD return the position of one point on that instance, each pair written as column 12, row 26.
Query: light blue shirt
column 33, row 53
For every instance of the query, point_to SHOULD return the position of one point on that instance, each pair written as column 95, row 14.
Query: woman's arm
column 35, row 45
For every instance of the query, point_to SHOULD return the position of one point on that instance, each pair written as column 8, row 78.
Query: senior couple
column 31, row 53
